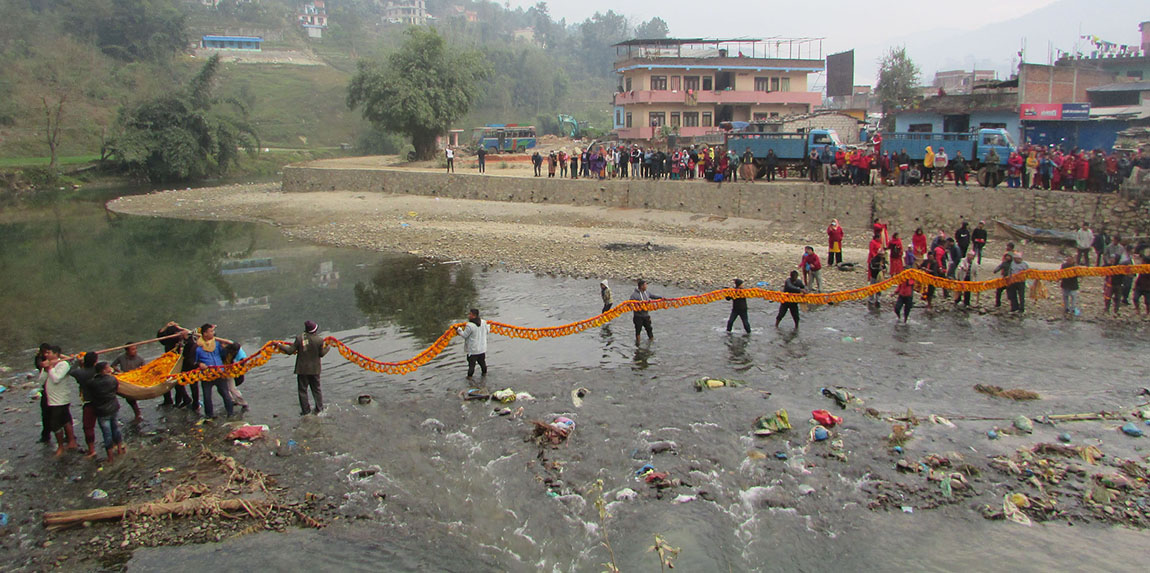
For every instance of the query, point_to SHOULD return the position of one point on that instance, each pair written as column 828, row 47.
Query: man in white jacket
column 54, row 377
column 1083, row 241
column 475, row 342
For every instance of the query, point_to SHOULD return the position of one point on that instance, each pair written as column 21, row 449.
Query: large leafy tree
column 421, row 89
column 898, row 77
column 183, row 135
column 652, row 29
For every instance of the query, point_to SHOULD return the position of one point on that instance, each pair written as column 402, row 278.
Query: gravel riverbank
column 695, row 251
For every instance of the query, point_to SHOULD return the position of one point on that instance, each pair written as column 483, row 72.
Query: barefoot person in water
column 54, row 377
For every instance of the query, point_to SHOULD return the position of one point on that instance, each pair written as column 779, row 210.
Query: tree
column 61, row 73
column 652, row 29
column 420, row 91
column 183, row 135
column 898, row 78
column 597, row 34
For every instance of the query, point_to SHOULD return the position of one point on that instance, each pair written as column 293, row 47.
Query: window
column 774, row 114
column 691, row 83
column 774, row 84
column 690, row 119
column 657, row 119
column 995, row 140
column 708, row 83
column 658, row 83
column 628, row 119
column 784, row 84
column 991, row 125
column 707, row 119
column 822, row 139
column 675, row 83
column 618, row 117
column 762, row 85
column 675, row 119
column 920, row 128
column 628, row 81
column 760, row 116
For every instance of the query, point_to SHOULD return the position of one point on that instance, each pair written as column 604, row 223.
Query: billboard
column 841, row 74
column 1054, row 111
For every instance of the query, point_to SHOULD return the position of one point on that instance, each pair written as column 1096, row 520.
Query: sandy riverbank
column 690, row 250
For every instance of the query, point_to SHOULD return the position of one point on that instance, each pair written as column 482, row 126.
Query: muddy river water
column 456, row 487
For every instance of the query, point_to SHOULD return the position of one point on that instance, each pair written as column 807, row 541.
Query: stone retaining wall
column 780, row 203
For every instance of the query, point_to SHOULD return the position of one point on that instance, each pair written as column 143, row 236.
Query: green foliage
column 181, row 136
column 898, row 77
column 375, row 142
column 597, row 34
column 129, row 30
column 420, row 91
column 654, row 28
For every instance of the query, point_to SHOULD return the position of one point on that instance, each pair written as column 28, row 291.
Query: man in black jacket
column 978, row 239
column 793, row 285
column 100, row 391
column 738, row 309
column 309, row 349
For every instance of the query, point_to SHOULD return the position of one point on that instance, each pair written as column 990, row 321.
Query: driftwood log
column 64, row 519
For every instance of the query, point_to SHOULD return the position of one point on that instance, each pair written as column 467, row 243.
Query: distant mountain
column 996, row 46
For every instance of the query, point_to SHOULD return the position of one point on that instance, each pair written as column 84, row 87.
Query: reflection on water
column 424, row 298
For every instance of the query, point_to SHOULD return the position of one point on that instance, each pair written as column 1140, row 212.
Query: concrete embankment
column 780, row 202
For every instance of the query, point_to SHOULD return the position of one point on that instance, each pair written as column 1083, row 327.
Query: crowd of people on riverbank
column 64, row 378
column 1031, row 167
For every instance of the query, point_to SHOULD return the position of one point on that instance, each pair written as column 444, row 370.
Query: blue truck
column 792, row 148
column 974, row 146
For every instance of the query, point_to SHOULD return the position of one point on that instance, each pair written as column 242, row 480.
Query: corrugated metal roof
column 233, row 38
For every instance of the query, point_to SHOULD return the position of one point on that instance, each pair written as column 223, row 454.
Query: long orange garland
column 155, row 372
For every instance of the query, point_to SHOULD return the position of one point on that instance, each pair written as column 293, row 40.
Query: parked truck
column 792, row 148
column 974, row 146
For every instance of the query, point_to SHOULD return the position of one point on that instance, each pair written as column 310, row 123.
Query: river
column 460, row 488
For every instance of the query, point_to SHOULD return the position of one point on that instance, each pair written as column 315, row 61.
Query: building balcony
column 726, row 97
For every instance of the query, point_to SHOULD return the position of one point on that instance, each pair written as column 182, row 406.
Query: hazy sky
column 986, row 34
column 844, row 24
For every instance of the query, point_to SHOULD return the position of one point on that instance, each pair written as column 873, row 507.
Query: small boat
column 1036, row 234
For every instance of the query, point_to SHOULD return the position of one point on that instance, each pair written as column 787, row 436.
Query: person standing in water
column 309, row 348
column 605, row 292
column 792, row 286
column 642, row 318
column 738, row 309
column 475, row 342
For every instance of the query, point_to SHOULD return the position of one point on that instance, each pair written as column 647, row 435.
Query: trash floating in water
column 825, row 418
column 626, row 494
column 761, row 284
column 364, row 399
column 919, row 384
column 248, row 432
column 839, row 395
column 684, row 498
column 819, row 433
column 898, row 449
column 852, row 339
column 1132, row 430
column 3, row 388
column 362, row 473
column 1011, row 508
column 1064, row 437
column 647, row 468
column 941, row 421
column 505, row 395
column 98, row 494
column 706, row 383
column 993, row 435
column 907, row 509
column 767, row 425
column 780, row 455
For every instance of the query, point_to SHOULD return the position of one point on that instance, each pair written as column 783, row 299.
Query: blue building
column 988, row 106
column 242, row 43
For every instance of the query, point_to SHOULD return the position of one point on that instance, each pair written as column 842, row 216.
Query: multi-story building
column 690, row 86
column 412, row 12
column 313, row 18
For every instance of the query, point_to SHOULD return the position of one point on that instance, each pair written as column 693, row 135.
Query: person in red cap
column 309, row 349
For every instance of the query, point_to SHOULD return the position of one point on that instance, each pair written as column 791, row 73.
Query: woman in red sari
column 835, row 243
column 895, row 248
column 918, row 243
